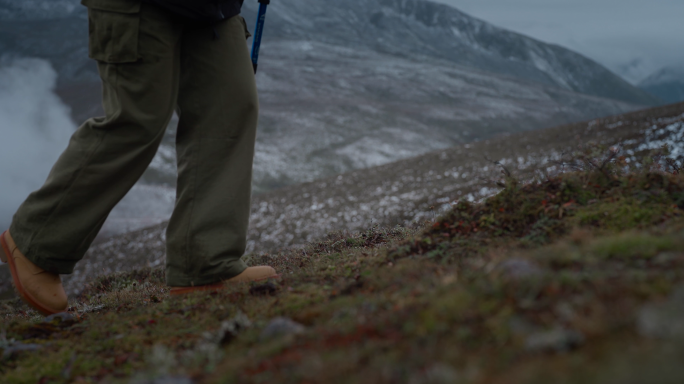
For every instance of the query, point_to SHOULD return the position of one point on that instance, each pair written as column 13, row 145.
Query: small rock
column 164, row 379
column 87, row 309
column 63, row 317
column 172, row 380
column 521, row 327
column 436, row 374
column 267, row 289
column 231, row 328
column 6, row 290
column 345, row 313
column 565, row 311
column 663, row 320
column 555, row 340
column 16, row 348
column 281, row 326
column 518, row 269
column 351, row 288
column 665, row 258
column 369, row 307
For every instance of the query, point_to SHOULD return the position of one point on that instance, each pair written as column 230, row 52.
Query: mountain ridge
column 391, row 26
column 444, row 32
column 667, row 83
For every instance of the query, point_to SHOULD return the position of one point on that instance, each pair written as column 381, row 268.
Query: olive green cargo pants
column 152, row 62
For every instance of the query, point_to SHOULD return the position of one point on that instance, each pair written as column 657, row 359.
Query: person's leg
column 218, row 110
column 106, row 156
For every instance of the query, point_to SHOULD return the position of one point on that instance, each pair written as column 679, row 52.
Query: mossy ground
column 543, row 282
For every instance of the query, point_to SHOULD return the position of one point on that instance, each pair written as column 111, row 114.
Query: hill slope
column 575, row 277
column 402, row 192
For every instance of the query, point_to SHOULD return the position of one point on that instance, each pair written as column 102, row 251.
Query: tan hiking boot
column 250, row 274
column 40, row 289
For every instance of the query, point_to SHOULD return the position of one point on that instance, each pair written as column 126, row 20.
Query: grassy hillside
column 404, row 193
column 573, row 277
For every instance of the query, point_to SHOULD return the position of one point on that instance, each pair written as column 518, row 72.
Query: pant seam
column 193, row 185
column 236, row 268
column 66, row 193
column 73, row 182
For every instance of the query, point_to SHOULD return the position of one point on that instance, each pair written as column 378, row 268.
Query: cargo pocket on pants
column 244, row 25
column 113, row 26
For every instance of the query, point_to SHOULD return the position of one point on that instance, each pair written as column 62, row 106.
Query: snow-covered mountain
column 636, row 70
column 667, row 84
column 407, row 28
column 55, row 29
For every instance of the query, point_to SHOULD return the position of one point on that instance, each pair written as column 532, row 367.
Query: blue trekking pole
column 259, row 32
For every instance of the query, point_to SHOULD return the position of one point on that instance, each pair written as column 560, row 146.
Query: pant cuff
column 180, row 280
column 48, row 262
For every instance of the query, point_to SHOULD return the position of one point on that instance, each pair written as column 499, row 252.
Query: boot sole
column 213, row 287
column 5, row 256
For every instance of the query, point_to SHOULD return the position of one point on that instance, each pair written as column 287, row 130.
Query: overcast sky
column 612, row 32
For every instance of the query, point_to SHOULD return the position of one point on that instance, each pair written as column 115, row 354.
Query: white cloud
column 34, row 130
